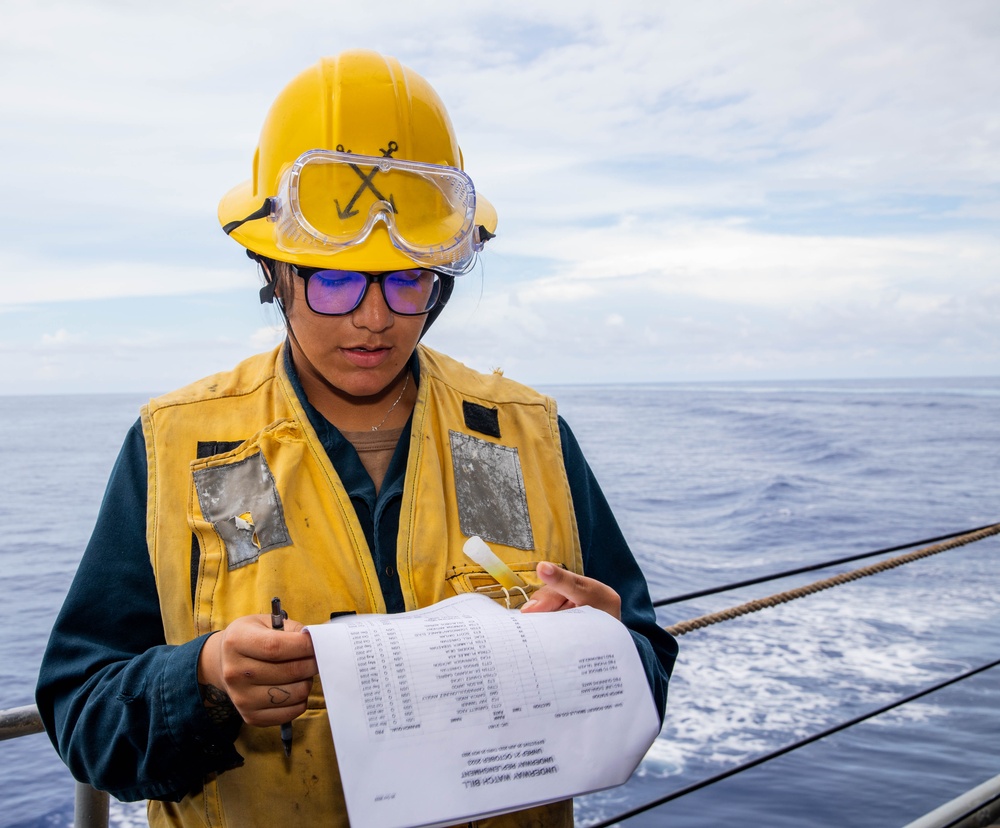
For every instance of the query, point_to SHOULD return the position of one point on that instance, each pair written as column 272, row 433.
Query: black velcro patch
column 482, row 419
column 213, row 447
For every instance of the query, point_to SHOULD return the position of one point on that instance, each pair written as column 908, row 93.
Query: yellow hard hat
column 358, row 168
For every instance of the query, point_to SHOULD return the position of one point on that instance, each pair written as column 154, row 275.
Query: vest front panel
column 271, row 518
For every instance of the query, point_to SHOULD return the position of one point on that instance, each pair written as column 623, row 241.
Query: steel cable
column 817, row 586
column 777, row 576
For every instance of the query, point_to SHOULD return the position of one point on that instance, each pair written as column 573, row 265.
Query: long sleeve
column 607, row 558
column 121, row 706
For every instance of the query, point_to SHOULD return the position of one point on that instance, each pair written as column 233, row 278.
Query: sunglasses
column 339, row 292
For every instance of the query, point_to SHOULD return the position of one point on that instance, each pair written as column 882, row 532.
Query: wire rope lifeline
column 767, row 757
column 777, row 576
column 818, row 586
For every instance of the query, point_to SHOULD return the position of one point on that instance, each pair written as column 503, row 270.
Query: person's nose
column 373, row 313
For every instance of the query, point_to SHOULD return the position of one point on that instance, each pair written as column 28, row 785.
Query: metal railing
column 90, row 806
column 935, row 820
column 978, row 807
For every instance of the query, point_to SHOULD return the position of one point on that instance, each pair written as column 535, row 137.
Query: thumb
column 579, row 590
column 568, row 584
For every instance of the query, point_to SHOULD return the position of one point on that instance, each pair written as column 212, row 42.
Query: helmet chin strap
column 270, row 280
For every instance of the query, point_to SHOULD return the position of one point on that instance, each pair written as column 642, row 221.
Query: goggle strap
column 261, row 212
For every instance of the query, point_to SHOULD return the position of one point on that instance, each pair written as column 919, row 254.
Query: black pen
column 278, row 616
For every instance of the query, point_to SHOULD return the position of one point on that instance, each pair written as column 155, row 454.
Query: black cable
column 788, row 748
column 676, row 599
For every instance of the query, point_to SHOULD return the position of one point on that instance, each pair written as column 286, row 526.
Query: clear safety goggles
column 331, row 200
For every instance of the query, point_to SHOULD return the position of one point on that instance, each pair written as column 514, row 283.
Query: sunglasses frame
column 306, row 273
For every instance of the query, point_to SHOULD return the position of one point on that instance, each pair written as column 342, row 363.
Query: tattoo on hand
column 277, row 695
column 218, row 705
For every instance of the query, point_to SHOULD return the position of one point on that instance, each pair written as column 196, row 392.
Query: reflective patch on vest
column 241, row 501
column 489, row 487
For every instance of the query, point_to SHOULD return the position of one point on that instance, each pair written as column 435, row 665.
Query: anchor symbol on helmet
column 366, row 184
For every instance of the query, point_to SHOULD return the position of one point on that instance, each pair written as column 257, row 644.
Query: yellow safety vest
column 270, row 516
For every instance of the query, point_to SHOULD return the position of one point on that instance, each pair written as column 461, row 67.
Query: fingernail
column 528, row 604
column 545, row 568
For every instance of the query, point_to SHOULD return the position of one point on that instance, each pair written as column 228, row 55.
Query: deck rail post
column 91, row 808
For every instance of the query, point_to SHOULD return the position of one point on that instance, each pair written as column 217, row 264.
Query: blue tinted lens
column 335, row 291
column 411, row 292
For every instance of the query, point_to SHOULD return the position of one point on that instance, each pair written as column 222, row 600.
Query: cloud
column 59, row 338
column 53, row 282
column 732, row 263
column 747, row 188
column 264, row 339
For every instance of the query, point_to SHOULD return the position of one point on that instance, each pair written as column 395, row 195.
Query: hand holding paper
column 564, row 589
column 466, row 709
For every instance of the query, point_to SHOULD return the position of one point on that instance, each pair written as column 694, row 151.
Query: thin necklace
column 393, row 406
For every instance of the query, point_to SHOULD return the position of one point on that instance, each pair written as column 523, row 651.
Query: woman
column 343, row 472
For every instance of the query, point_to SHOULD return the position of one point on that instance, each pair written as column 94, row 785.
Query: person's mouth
column 367, row 356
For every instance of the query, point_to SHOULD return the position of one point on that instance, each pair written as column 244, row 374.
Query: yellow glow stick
column 477, row 550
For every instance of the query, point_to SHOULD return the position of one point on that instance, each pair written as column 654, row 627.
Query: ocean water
column 712, row 484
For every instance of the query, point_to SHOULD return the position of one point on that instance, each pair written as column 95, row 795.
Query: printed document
column 465, row 709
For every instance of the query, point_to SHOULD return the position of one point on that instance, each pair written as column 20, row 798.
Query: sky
column 717, row 191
